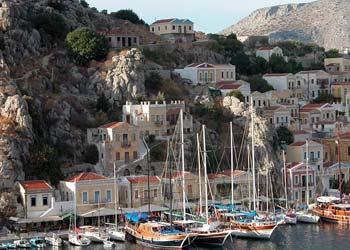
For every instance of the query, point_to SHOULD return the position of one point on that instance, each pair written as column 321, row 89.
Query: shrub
column 128, row 14
column 84, row 3
column 102, row 103
column 258, row 84
column 85, row 45
column 50, row 24
column 284, row 136
column 153, row 82
column 237, row 94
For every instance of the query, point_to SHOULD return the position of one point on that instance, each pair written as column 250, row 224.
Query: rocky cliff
column 325, row 22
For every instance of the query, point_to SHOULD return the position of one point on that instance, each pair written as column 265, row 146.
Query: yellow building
column 339, row 91
column 117, row 142
column 134, row 191
column 330, row 144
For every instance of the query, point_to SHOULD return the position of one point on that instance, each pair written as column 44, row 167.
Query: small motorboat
column 2, row 246
column 108, row 243
column 54, row 240
column 117, row 235
column 290, row 218
column 307, row 217
column 37, row 242
column 78, row 239
column 10, row 245
column 22, row 243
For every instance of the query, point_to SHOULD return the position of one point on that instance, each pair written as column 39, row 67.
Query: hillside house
column 337, row 64
column 311, row 114
column 279, row 116
column 174, row 30
column 207, row 73
column 157, row 119
column 315, row 82
column 339, row 92
column 119, row 40
column 242, row 86
column 267, row 52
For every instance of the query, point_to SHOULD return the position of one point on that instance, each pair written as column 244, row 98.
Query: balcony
column 125, row 144
column 158, row 123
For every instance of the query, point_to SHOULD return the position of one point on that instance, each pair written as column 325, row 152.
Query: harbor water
column 292, row 237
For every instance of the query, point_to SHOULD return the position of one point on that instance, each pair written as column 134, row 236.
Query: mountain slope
column 325, row 22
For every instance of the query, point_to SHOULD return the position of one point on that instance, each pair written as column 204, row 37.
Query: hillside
column 325, row 22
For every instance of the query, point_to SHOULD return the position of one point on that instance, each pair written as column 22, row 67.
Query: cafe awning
column 99, row 212
column 35, row 220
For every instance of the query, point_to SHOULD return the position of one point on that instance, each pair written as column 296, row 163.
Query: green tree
column 50, row 25
column 277, row 64
column 258, row 84
column 236, row 93
column 153, row 82
column 85, row 45
column 43, row 158
column 324, row 98
column 128, row 14
column 284, row 136
column 333, row 53
column 102, row 103
column 84, row 3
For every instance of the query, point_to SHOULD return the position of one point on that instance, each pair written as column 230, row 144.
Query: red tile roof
column 328, row 164
column 86, row 177
column 341, row 84
column 235, row 172
column 332, row 64
column 164, row 20
column 293, row 164
column 297, row 144
column 275, row 74
column 344, row 136
column 326, row 122
column 143, row 179
column 229, row 86
column 310, row 107
column 112, row 125
column 215, row 176
column 35, row 185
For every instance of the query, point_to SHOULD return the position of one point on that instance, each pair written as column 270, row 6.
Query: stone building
column 118, row 39
column 174, row 30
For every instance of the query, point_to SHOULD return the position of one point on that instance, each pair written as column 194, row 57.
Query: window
column 45, row 201
column 200, row 76
column 286, row 119
column 189, row 27
column 278, row 120
column 227, row 75
column 304, row 155
column 231, row 75
column 145, row 194
column 166, row 27
column 296, row 180
column 296, row 195
column 117, row 156
column 173, row 27
column 133, row 136
column 155, row 193
column 109, row 39
column 222, row 75
column 318, row 155
column 109, row 195
column 85, row 198
column 33, row 201
column 348, row 150
column 101, row 155
column 189, row 190
column 310, row 178
column 125, row 139
column 135, row 155
column 310, row 193
column 97, row 197
column 152, row 30
column 135, row 40
column 158, row 28
column 136, row 194
column 127, row 157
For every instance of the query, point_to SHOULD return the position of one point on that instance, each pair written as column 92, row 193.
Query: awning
column 35, row 220
column 67, row 215
column 100, row 212
column 153, row 208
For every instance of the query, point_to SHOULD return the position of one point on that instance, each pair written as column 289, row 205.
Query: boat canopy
column 136, row 217
column 249, row 214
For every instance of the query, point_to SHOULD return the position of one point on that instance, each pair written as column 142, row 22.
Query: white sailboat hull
column 308, row 218
column 78, row 240
column 54, row 240
column 116, row 235
column 257, row 234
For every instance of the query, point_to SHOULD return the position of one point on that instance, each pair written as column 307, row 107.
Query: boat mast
column 253, row 149
column 199, row 175
column 205, row 177
column 116, row 198
column 231, row 147
column 249, row 192
column 170, row 187
column 285, row 178
column 183, row 163
column 339, row 164
column 267, row 190
column 307, row 172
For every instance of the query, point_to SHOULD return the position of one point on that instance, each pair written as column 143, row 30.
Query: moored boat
column 2, row 246
column 307, row 217
column 10, row 245
column 290, row 218
column 333, row 212
column 78, row 239
column 37, row 242
column 54, row 240
column 94, row 234
column 116, row 234
column 108, row 243
column 22, row 243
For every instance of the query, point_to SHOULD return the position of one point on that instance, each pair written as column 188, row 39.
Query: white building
column 242, row 86
column 206, row 73
column 267, row 52
column 281, row 81
column 315, row 82
column 36, row 197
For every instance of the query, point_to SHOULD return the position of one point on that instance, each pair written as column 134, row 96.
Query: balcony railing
column 125, row 144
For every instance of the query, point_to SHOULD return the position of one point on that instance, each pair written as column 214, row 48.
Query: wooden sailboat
column 306, row 216
column 116, row 233
column 289, row 216
column 208, row 233
column 249, row 224
column 152, row 233
column 331, row 209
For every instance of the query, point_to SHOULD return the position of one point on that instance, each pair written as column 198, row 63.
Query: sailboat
column 75, row 236
column 248, row 224
column 332, row 209
column 116, row 233
column 151, row 232
column 208, row 233
column 306, row 216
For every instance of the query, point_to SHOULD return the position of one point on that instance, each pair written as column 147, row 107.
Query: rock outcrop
column 325, row 22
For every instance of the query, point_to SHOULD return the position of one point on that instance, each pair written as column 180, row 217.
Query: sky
column 208, row 15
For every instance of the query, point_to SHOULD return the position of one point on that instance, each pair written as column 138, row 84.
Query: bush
column 84, row 3
column 284, row 136
column 324, row 98
column 50, row 24
column 128, row 14
column 258, row 84
column 153, row 82
column 102, row 103
column 237, row 94
column 333, row 53
column 84, row 45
